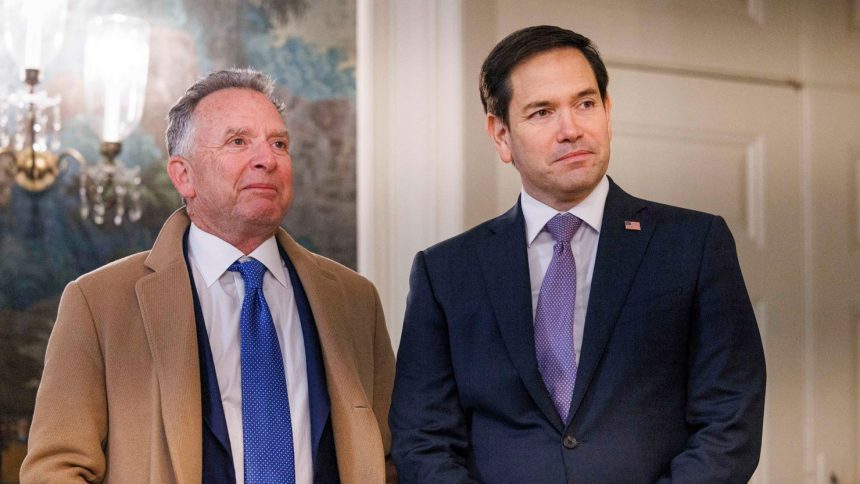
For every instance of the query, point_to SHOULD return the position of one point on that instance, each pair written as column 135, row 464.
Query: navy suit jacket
column 670, row 385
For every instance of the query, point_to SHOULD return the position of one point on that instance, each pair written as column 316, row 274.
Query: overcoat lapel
column 323, row 289
column 619, row 254
column 167, row 309
column 351, row 420
column 504, row 261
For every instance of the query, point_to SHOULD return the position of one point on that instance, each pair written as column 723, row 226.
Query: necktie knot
column 563, row 226
column 252, row 272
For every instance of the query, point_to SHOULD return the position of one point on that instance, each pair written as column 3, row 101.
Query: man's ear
column 607, row 106
column 180, row 172
column 501, row 136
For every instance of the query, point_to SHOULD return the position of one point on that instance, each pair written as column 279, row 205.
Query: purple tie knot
column 563, row 226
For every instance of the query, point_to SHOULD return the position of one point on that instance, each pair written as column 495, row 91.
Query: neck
column 560, row 205
column 247, row 246
column 246, row 241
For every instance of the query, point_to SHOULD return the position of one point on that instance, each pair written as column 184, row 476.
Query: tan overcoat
column 119, row 399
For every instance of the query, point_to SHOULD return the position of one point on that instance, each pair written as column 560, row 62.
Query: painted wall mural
column 307, row 46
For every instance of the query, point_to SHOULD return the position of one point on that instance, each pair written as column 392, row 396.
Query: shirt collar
column 213, row 256
column 590, row 210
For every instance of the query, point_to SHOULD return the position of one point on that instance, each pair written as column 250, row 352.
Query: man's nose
column 569, row 128
column 263, row 156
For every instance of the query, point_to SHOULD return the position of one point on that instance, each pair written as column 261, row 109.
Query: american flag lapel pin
column 632, row 225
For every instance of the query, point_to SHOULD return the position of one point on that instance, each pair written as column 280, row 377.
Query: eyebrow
column 279, row 134
column 544, row 104
column 230, row 132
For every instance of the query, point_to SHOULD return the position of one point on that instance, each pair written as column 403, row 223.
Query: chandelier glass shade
column 33, row 31
column 116, row 64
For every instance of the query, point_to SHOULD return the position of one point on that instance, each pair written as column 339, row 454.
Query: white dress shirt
column 583, row 244
column 221, row 293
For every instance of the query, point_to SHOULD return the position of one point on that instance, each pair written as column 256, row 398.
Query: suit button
column 569, row 442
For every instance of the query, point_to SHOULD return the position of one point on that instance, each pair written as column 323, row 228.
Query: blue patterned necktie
column 554, row 316
column 267, row 432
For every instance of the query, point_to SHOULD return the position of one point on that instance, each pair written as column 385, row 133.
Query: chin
column 262, row 215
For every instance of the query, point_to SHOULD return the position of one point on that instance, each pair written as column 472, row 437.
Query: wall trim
column 811, row 461
column 714, row 74
column 410, row 139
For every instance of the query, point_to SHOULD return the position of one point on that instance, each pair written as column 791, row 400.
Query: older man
column 585, row 335
column 227, row 353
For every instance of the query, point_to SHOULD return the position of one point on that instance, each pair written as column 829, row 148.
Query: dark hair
column 180, row 119
column 516, row 48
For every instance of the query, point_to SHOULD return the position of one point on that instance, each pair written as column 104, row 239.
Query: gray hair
column 180, row 119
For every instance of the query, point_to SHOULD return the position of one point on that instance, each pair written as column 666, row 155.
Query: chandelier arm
column 73, row 154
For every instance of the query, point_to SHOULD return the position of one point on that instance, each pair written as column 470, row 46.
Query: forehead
column 237, row 107
column 556, row 72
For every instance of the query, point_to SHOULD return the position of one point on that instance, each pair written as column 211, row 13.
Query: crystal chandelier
column 29, row 117
column 116, row 60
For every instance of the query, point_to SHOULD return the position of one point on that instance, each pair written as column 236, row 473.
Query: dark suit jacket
column 670, row 385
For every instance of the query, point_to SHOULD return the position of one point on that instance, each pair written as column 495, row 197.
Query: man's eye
column 588, row 104
column 237, row 142
column 281, row 145
column 540, row 113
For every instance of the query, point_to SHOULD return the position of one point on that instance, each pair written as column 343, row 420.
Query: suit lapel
column 167, row 309
column 504, row 261
column 619, row 253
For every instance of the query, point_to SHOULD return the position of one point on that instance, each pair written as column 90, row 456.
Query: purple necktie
column 556, row 356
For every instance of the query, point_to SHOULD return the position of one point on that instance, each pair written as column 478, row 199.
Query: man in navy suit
column 585, row 335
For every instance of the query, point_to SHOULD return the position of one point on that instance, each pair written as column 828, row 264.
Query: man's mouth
column 260, row 186
column 574, row 156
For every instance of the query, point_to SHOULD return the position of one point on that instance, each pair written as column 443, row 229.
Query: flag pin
column 632, row 225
